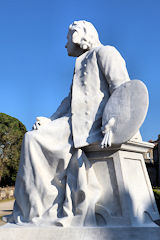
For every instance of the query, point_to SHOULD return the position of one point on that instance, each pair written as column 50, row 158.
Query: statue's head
column 82, row 36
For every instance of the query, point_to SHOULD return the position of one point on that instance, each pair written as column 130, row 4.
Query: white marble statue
column 55, row 184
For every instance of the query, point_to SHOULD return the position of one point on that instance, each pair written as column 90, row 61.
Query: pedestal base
column 127, row 198
column 85, row 233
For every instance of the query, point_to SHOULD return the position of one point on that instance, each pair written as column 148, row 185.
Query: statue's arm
column 114, row 69
column 63, row 108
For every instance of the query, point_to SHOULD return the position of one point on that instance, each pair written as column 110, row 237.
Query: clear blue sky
column 35, row 71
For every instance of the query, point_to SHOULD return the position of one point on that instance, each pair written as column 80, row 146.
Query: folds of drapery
column 56, row 184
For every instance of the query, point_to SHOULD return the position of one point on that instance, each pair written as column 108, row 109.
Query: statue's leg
column 55, row 183
column 40, row 183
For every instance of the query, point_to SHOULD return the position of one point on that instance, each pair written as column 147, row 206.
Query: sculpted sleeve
column 113, row 67
column 63, row 108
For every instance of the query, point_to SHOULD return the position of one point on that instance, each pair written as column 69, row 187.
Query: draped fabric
column 55, row 184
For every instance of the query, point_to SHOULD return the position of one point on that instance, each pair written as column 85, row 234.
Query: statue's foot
column 8, row 218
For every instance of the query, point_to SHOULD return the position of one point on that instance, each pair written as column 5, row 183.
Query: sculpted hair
column 84, row 34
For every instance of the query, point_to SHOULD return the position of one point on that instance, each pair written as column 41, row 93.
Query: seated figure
column 56, row 184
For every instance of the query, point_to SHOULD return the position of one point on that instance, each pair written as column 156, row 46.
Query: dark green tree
column 11, row 136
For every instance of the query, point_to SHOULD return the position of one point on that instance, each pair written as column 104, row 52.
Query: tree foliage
column 156, row 192
column 11, row 136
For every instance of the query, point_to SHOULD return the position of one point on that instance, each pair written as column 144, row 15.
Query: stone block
column 85, row 233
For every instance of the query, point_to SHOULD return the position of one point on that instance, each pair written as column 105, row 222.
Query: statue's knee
column 29, row 135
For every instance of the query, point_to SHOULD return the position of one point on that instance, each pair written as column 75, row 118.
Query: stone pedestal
column 126, row 209
column 127, row 198
column 85, row 233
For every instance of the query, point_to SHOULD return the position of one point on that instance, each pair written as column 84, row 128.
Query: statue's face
column 73, row 49
column 70, row 45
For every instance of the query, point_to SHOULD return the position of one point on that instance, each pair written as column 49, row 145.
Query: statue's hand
column 39, row 122
column 107, row 131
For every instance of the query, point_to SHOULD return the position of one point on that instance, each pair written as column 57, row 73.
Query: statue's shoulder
column 106, row 50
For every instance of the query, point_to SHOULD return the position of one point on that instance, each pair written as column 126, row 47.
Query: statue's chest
column 86, row 70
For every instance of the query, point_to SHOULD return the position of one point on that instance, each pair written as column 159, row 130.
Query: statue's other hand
column 39, row 122
column 107, row 131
